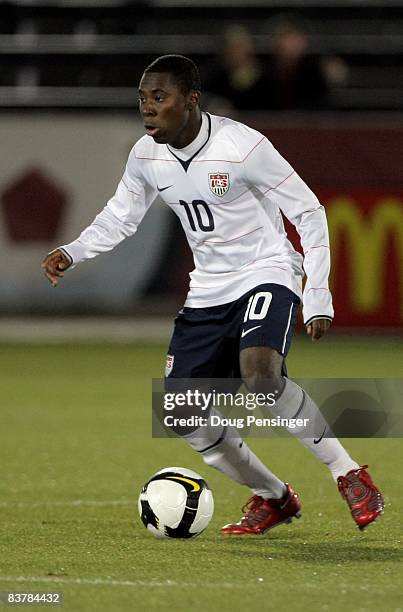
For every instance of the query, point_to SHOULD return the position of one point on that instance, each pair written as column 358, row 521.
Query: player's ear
column 193, row 100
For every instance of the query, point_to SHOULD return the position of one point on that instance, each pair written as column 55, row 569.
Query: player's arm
column 278, row 181
column 119, row 219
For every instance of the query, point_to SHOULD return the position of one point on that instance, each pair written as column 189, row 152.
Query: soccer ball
column 176, row 503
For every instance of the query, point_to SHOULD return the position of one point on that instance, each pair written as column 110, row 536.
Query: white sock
column 223, row 449
column 296, row 403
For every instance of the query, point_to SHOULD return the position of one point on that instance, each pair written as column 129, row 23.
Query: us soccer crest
column 219, row 183
column 169, row 364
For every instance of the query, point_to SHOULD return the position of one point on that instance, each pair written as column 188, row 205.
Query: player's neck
column 190, row 131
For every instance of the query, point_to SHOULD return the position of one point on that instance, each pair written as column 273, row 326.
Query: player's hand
column 317, row 328
column 53, row 266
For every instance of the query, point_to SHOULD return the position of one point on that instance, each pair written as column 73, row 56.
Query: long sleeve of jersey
column 119, row 219
column 275, row 179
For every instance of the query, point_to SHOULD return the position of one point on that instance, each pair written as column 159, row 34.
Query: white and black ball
column 176, row 503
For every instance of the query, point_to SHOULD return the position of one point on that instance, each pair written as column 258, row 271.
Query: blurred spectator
column 240, row 83
column 296, row 78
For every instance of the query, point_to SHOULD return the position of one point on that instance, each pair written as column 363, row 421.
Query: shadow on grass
column 312, row 552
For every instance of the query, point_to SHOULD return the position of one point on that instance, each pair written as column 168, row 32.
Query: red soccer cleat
column 263, row 514
column 362, row 496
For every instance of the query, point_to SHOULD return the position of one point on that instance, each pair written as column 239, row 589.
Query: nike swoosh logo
column 246, row 332
column 163, row 188
column 319, row 439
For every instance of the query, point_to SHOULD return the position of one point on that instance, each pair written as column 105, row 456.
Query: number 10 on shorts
column 258, row 306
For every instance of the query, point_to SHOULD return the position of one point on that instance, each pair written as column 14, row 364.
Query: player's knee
column 261, row 369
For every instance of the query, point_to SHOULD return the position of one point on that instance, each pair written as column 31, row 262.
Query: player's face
column 169, row 116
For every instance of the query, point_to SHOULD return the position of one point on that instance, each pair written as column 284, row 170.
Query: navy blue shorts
column 207, row 341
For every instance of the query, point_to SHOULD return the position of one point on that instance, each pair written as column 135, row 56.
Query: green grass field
column 76, row 447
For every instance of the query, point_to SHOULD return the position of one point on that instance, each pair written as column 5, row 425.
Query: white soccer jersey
column 227, row 188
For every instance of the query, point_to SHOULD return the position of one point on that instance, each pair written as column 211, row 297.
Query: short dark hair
column 183, row 70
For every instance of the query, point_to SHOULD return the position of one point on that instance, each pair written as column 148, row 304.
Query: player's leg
column 261, row 363
column 262, row 368
column 201, row 349
column 263, row 512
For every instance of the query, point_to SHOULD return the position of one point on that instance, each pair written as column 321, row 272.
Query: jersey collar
column 185, row 163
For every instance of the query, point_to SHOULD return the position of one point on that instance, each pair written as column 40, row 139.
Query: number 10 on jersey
column 198, row 212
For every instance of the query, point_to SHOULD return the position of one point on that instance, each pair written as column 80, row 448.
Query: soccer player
column 228, row 185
